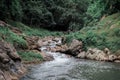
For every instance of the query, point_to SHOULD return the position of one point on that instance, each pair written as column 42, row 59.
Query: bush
column 117, row 32
column 91, row 38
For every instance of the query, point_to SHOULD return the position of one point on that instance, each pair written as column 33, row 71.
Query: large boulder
column 97, row 54
column 75, row 48
column 10, row 62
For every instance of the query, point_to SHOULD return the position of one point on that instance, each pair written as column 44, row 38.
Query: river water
column 69, row 68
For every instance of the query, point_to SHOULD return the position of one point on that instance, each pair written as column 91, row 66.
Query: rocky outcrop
column 99, row 55
column 96, row 54
column 32, row 42
column 74, row 48
column 10, row 63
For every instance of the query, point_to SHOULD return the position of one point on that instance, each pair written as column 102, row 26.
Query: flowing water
column 69, row 68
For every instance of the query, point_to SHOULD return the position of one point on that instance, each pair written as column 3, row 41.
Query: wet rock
column 82, row 55
column 60, row 48
column 112, row 57
column 10, row 62
column 117, row 61
column 46, row 57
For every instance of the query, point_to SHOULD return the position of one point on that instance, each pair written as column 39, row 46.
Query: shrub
column 117, row 32
column 91, row 38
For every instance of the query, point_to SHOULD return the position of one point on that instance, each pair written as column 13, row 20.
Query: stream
column 69, row 68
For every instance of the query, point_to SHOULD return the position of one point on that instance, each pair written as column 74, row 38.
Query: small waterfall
column 58, row 57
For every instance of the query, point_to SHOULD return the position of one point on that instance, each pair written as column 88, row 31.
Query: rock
column 96, row 54
column 118, row 57
column 112, row 57
column 107, row 51
column 60, row 48
column 10, row 62
column 117, row 61
column 56, row 39
column 91, row 54
column 63, row 49
column 102, row 57
column 16, row 30
column 32, row 42
column 2, row 23
column 82, row 55
column 75, row 48
column 48, row 57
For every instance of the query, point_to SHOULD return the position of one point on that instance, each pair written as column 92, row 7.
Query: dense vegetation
column 106, row 33
column 91, row 19
column 57, row 14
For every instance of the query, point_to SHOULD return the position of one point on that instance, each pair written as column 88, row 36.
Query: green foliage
column 105, row 34
column 10, row 10
column 13, row 38
column 51, row 14
column 30, row 31
column 30, row 56
column 99, row 8
column 117, row 32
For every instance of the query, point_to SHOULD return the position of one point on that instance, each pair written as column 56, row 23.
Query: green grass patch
column 30, row 56
column 34, row 31
column 12, row 37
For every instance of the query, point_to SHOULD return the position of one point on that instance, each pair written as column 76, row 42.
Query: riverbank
column 65, row 67
column 19, row 45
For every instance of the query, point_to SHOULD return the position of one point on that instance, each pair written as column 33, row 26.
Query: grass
column 34, row 31
column 19, row 42
column 30, row 56
column 105, row 34
column 11, row 37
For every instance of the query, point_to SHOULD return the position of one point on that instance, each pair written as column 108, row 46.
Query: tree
column 10, row 9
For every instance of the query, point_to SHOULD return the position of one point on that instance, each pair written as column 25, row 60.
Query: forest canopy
column 57, row 14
